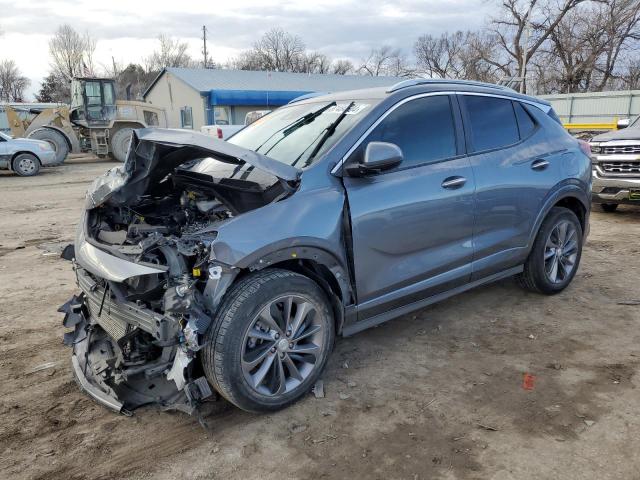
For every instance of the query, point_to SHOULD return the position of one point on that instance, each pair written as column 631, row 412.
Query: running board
column 397, row 312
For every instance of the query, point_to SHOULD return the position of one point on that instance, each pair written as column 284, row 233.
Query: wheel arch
column 20, row 152
column 569, row 195
column 316, row 263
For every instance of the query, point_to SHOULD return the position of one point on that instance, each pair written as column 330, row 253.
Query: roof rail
column 430, row 81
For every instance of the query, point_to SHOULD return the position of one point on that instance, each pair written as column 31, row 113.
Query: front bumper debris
column 99, row 336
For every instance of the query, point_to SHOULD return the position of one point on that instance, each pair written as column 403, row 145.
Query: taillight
column 585, row 147
column 219, row 131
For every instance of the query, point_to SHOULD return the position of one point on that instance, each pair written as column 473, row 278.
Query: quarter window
column 493, row 122
column 422, row 128
column 526, row 125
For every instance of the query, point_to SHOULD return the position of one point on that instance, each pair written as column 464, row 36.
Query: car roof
column 416, row 86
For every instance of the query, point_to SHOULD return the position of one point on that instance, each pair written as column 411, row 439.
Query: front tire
column 26, row 165
column 555, row 256
column 270, row 340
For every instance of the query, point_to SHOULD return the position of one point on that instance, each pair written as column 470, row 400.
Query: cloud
column 126, row 29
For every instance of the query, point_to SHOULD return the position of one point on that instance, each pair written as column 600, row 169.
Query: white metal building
column 595, row 107
column 195, row 97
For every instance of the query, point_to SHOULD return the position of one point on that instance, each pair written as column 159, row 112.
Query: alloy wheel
column 282, row 345
column 561, row 251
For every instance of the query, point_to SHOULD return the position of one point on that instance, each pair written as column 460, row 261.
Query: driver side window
column 423, row 128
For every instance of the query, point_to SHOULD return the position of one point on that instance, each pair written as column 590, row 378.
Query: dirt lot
column 437, row 394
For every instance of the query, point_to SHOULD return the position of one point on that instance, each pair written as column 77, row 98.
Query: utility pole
column 523, row 70
column 204, row 41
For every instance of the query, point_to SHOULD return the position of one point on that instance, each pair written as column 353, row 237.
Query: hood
column 156, row 152
column 630, row 133
column 29, row 143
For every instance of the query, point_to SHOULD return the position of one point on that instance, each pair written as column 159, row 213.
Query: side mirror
column 623, row 123
column 378, row 156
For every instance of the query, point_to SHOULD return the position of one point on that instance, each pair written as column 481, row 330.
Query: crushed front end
column 149, row 282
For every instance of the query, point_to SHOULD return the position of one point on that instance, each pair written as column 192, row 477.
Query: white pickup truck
column 223, row 130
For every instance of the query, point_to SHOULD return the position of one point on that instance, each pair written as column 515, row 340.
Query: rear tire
column 555, row 256
column 609, row 207
column 256, row 354
column 120, row 143
column 55, row 139
column 26, row 165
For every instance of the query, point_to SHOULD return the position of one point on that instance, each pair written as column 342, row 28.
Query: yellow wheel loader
column 94, row 121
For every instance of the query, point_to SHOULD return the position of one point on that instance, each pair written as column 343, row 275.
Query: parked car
column 25, row 156
column 616, row 166
column 223, row 130
column 210, row 266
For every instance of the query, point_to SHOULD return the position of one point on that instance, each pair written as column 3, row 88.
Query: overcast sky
column 128, row 29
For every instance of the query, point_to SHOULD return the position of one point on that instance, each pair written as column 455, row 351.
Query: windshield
column 4, row 137
column 292, row 133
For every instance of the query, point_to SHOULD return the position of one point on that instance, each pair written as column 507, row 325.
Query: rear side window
column 493, row 122
column 526, row 125
column 553, row 115
column 422, row 128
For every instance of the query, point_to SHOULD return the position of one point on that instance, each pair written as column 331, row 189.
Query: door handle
column 453, row 182
column 539, row 164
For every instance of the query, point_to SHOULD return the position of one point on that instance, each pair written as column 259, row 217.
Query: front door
column 412, row 225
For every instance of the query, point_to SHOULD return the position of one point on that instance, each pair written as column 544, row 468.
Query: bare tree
column 172, row 53
column 276, row 50
column 469, row 55
column 72, row 53
column 630, row 76
column 385, row 60
column 280, row 51
column 89, row 68
column 12, row 82
column 523, row 26
column 342, row 67
column 585, row 49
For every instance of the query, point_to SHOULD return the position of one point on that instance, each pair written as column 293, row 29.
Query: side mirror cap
column 378, row 156
column 623, row 123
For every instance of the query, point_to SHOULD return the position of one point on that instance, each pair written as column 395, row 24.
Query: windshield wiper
column 327, row 133
column 296, row 124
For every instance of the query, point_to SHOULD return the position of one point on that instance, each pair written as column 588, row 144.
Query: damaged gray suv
column 211, row 268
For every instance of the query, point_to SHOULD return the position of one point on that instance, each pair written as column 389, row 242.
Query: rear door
column 514, row 168
column 412, row 225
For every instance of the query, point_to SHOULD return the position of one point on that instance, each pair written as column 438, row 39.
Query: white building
column 194, row 97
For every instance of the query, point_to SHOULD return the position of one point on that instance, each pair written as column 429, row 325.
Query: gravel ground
column 436, row 394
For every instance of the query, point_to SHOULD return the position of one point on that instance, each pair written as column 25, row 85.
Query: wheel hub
column 282, row 346
column 561, row 252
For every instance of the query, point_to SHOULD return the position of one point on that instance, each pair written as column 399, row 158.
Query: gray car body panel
column 312, row 218
column 9, row 148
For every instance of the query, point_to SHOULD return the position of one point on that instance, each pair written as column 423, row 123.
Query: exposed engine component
column 144, row 265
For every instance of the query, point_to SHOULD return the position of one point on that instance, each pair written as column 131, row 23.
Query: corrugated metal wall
column 595, row 107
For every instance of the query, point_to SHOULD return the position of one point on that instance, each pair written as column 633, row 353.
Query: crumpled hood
column 631, row 133
column 155, row 152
